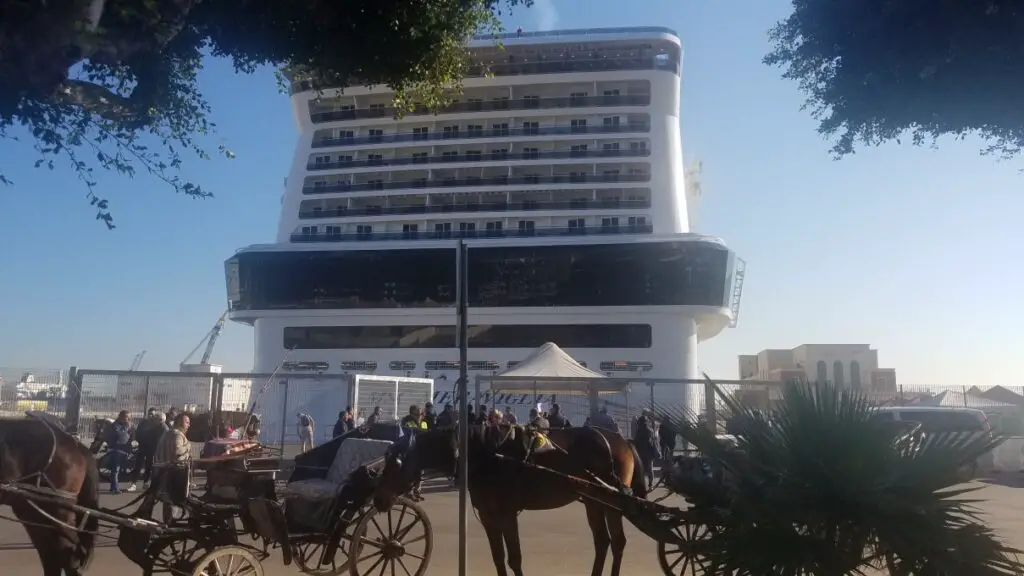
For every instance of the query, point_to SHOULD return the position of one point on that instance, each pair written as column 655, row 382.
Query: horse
column 501, row 486
column 47, row 460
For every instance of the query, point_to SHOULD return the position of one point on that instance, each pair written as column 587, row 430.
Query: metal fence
column 78, row 396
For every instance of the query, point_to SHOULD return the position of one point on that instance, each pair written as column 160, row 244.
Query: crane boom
column 210, row 340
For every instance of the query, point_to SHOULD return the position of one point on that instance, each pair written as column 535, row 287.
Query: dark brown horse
column 37, row 454
column 500, row 486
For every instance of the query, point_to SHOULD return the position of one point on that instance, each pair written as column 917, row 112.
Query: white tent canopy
column 550, row 370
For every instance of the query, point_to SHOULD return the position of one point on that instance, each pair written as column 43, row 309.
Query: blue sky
column 913, row 250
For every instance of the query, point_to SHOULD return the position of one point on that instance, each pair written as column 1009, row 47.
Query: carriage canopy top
column 550, row 370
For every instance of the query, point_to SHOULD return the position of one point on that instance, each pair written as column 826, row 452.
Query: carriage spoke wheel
column 309, row 557
column 678, row 558
column 228, row 561
column 397, row 541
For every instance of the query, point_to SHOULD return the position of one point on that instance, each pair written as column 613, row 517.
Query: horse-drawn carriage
column 323, row 520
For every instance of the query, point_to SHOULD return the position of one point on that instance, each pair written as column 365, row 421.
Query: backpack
column 304, row 420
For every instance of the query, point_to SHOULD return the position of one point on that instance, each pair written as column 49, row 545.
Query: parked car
column 935, row 419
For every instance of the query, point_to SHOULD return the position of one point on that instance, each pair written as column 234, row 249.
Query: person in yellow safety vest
column 414, row 420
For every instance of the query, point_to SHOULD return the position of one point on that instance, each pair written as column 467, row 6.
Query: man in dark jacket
column 643, row 437
column 429, row 416
column 556, row 419
column 340, row 427
column 667, row 438
column 119, row 447
column 447, row 416
column 147, row 434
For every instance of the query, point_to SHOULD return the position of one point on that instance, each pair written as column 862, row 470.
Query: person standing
column 147, row 434
column 643, row 437
column 172, row 459
column 603, row 420
column 306, row 428
column 556, row 418
column 667, row 441
column 339, row 427
column 119, row 448
column 429, row 416
column 414, row 421
column 446, row 417
column 349, row 420
column 374, row 417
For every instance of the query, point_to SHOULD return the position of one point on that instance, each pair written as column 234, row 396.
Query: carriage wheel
column 677, row 558
column 396, row 541
column 308, row 554
column 228, row 561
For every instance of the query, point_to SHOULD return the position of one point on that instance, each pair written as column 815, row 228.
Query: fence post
column 73, row 399
column 149, row 399
column 284, row 412
column 710, row 414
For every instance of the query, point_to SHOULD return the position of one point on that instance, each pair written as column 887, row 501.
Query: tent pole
column 462, row 310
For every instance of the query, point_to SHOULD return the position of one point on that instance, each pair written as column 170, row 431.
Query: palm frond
column 819, row 486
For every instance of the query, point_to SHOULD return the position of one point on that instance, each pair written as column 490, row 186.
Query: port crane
column 137, row 361
column 210, row 340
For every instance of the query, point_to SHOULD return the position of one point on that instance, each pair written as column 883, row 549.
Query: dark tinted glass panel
column 635, row 274
column 400, row 365
column 943, row 420
column 525, row 336
column 305, row 366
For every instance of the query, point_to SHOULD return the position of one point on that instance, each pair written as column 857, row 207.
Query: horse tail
column 88, row 497
column 638, row 484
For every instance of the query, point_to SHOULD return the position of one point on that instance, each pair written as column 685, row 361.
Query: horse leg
column 599, row 530
column 493, row 529
column 47, row 547
column 613, row 521
column 510, row 527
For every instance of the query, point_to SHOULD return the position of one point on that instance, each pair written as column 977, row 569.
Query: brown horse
column 36, row 454
column 500, row 486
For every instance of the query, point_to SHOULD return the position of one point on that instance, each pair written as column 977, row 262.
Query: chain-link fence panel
column 32, row 389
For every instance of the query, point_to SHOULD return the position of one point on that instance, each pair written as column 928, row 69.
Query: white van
column 934, row 419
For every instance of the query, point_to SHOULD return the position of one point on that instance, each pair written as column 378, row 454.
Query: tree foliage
column 876, row 70
column 112, row 84
column 817, row 486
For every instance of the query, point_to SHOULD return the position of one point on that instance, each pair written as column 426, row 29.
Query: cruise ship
column 560, row 165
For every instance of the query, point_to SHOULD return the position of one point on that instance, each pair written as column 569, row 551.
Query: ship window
column 304, row 366
column 442, row 365
column 484, row 365
column 512, row 364
column 358, row 365
column 482, row 336
column 401, row 365
column 625, row 366
column 647, row 274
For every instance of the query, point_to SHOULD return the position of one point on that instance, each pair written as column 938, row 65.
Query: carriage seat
column 353, row 453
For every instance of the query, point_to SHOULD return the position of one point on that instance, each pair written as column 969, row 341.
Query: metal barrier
column 39, row 389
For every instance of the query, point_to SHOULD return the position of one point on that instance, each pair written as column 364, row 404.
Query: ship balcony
column 557, row 61
column 526, row 229
column 501, row 104
column 635, row 124
column 528, row 154
column 452, row 205
column 601, row 174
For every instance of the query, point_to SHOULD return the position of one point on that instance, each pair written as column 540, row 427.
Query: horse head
column 99, row 429
column 434, row 450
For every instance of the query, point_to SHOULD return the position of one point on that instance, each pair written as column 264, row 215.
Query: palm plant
column 817, row 487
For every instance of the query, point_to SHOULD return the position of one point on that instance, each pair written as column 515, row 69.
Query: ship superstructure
column 562, row 169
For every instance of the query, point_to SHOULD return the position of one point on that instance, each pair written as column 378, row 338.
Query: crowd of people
column 162, row 443
column 654, row 438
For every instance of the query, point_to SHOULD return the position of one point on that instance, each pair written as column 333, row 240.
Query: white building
column 854, row 365
column 563, row 173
